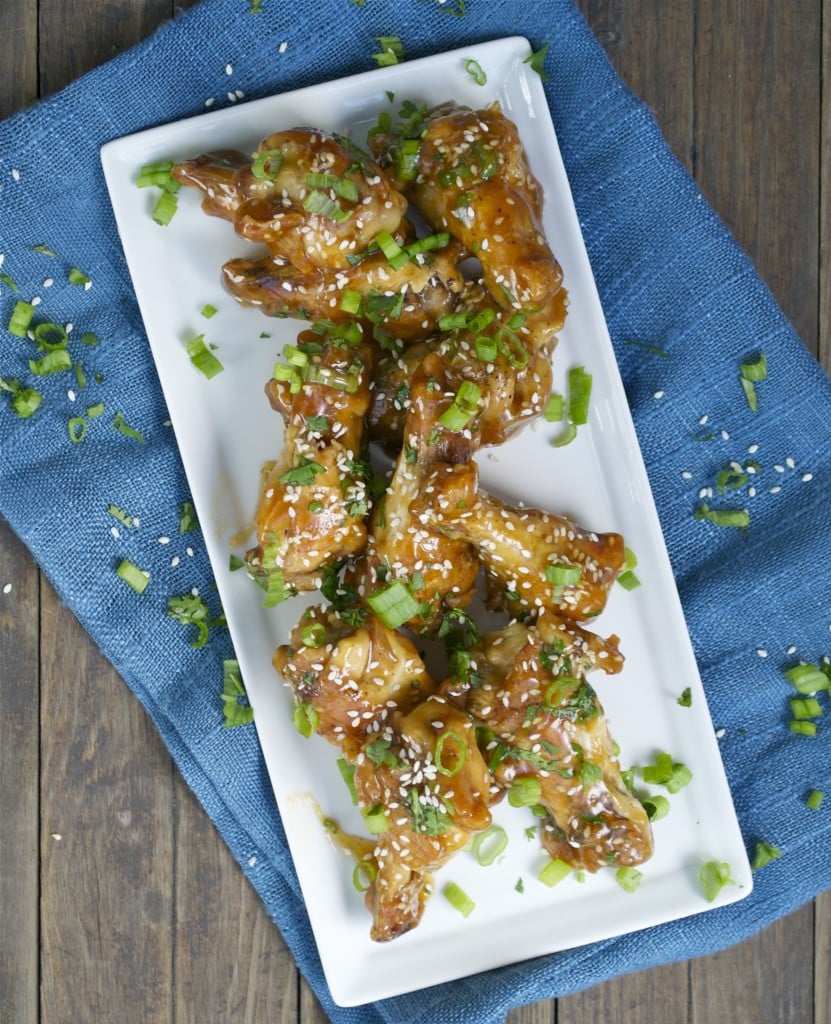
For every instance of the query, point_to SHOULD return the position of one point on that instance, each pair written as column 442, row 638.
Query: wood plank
column 19, row 752
column 660, row 994
column 231, row 963
column 544, row 1012
column 78, row 35
column 825, row 194
column 18, row 68
column 767, row 979
column 760, row 169
column 822, row 960
column 106, row 841
column 310, row 1010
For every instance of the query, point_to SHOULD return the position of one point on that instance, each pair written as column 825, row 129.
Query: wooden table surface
column 119, row 901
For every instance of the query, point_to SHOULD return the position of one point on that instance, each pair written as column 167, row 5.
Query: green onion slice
column 78, row 277
column 458, row 899
column 451, row 761
column 375, row 819
column 165, row 208
column 765, row 852
column 394, row 604
column 21, row 318
column 325, row 206
column 267, row 164
column 554, row 408
column 364, row 875
column 313, row 635
column 51, row 337
column 305, row 718
column 807, row 679
column 628, row 878
column 554, row 872
column 474, row 69
column 735, row 517
column 490, row 844
column 579, row 395
column 202, row 358
column 53, row 362
column 714, row 876
column 656, row 807
column 77, row 427
column 347, row 772
column 814, row 799
column 133, row 576
column 343, row 187
column 525, row 791
column 123, row 427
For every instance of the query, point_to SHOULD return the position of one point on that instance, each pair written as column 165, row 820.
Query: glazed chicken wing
column 548, row 725
column 354, row 674
column 313, row 499
column 425, row 774
column 438, row 570
column 471, row 178
column 535, row 560
column 319, row 208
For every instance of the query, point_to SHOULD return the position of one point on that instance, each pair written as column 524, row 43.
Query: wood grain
column 19, row 756
column 18, row 43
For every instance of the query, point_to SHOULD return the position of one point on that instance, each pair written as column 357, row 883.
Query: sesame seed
column 229, row 70
column 658, row 394
column 720, row 733
column 806, row 477
column 7, row 588
column 761, row 652
column 164, row 540
column 15, row 174
column 283, row 47
column 209, row 102
column 752, row 449
column 252, row 861
column 686, row 475
column 789, row 462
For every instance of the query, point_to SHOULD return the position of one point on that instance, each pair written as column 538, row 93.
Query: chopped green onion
column 350, row 301
column 165, row 208
column 313, row 635
column 44, row 250
column 456, row 754
column 685, row 700
column 267, row 164
column 554, row 872
column 510, row 345
column 803, row 728
column 208, row 311
column 395, row 255
column 347, row 772
column 94, row 411
column 392, row 52
column 78, row 277
column 764, row 854
column 121, row 425
column 463, row 407
column 364, row 875
column 756, row 370
column 394, row 604
column 123, row 517
column 24, row 401
column 474, row 69
column 738, row 517
column 628, row 580
column 314, row 374
column 406, row 160
column 202, row 358
column 714, row 877
column 427, row 244
column 563, row 575
column 536, row 61
column 375, row 819
column 77, row 429
column 814, row 799
column 554, row 408
column 235, row 707
column 8, row 282
column 488, row 845
column 666, row 772
column 90, row 340
column 628, row 878
column 133, row 576
column 305, row 718
column 157, row 174
column 320, row 203
column 288, row 375
column 579, row 395
column 566, row 436
column 525, row 791
column 21, row 318
column 80, row 376
column 188, row 521
column 458, row 899
column 235, row 563
column 807, row 679
column 486, row 348
column 51, row 337
column 805, row 707
column 343, row 187
column 53, row 362
column 656, row 807
column 276, row 588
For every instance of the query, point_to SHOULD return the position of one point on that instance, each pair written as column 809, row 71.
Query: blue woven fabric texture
column 669, row 275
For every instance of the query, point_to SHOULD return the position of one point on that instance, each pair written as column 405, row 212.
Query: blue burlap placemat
column 756, row 600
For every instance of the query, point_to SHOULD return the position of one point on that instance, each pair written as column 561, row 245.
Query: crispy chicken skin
column 472, row 179
column 356, row 677
column 440, row 571
column 548, row 724
column 522, row 549
column 313, row 499
column 429, row 778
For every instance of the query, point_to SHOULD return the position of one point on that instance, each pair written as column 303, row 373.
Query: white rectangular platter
column 226, row 429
